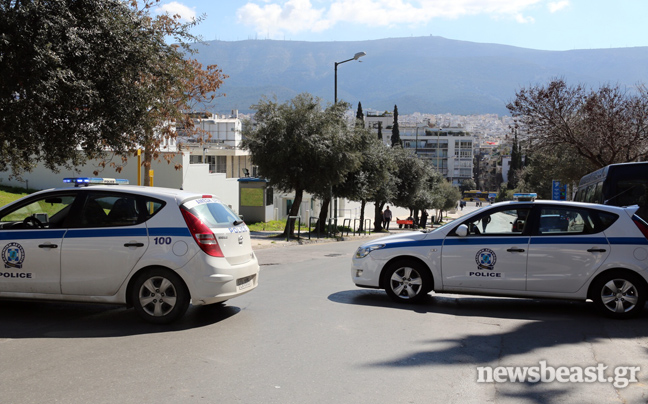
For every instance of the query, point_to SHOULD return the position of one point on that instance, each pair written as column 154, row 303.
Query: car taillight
column 643, row 227
column 202, row 234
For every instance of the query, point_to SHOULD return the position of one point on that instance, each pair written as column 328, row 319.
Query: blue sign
column 558, row 191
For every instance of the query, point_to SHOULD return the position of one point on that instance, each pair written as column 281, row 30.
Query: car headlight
column 364, row 251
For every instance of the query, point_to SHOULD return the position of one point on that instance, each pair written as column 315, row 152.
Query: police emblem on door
column 13, row 255
column 485, row 259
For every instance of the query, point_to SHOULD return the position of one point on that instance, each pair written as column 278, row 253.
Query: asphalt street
column 308, row 335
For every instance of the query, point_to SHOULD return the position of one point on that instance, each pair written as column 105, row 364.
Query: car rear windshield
column 212, row 212
column 570, row 220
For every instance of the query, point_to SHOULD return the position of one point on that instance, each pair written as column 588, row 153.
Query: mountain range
column 418, row 74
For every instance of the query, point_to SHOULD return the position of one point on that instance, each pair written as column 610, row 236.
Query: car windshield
column 443, row 226
column 212, row 212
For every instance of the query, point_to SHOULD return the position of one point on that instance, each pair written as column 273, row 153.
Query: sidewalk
column 271, row 239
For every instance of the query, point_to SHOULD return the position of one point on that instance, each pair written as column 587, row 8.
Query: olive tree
column 300, row 146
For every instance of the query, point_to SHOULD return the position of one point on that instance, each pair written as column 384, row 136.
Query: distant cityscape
column 460, row 147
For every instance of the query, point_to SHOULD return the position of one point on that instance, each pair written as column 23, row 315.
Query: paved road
column 308, row 335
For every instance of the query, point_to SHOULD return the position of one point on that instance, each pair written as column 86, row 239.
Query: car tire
column 407, row 281
column 159, row 296
column 619, row 294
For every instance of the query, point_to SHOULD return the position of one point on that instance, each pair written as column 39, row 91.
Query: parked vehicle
column 535, row 249
column 617, row 184
column 154, row 249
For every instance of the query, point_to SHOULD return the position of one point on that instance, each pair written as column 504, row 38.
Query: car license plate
column 244, row 283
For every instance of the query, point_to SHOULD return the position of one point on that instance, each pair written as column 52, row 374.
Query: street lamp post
column 355, row 57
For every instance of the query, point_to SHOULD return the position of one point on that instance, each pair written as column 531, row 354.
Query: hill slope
column 419, row 74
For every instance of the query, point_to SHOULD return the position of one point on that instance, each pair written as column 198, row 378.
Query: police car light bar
column 522, row 197
column 85, row 181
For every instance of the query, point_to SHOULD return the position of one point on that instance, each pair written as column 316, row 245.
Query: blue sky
column 535, row 24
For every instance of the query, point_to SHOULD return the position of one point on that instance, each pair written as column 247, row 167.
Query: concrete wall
column 190, row 177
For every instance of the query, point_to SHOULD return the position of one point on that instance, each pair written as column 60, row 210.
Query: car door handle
column 47, row 246
column 596, row 250
column 515, row 250
column 134, row 245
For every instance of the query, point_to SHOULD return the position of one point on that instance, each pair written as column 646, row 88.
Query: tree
column 604, row 127
column 80, row 77
column 516, row 163
column 380, row 135
column 300, row 147
column 447, row 197
column 360, row 115
column 467, row 185
column 410, row 175
column 545, row 165
column 371, row 181
column 175, row 85
column 395, row 137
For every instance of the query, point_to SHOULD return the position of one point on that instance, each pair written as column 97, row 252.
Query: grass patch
column 273, row 225
column 10, row 194
column 280, row 225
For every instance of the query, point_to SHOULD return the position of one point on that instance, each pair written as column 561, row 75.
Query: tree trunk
column 294, row 211
column 378, row 217
column 362, row 208
column 321, row 222
column 146, row 164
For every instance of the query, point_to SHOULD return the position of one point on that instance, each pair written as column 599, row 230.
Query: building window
column 221, row 164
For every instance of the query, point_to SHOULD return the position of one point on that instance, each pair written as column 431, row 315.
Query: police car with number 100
column 538, row 249
column 154, row 249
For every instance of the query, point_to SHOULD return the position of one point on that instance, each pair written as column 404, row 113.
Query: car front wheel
column 619, row 295
column 160, row 296
column 407, row 281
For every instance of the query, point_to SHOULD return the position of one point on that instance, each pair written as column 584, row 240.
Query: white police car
column 155, row 249
column 543, row 249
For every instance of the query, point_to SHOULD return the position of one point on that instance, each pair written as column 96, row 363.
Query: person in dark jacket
column 387, row 217
column 424, row 217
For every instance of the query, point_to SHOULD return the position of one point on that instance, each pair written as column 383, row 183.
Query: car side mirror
column 462, row 230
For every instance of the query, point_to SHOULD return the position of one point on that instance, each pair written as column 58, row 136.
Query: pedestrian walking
column 387, row 217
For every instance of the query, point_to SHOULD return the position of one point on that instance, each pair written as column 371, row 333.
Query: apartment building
column 217, row 143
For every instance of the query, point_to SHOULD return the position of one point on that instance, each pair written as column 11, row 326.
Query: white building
column 382, row 121
column 449, row 150
column 218, row 144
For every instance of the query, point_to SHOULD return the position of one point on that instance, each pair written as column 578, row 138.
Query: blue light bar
column 528, row 196
column 95, row 181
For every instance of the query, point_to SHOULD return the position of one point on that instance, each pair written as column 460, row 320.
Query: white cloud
column 274, row 17
column 524, row 20
column 557, row 5
column 174, row 8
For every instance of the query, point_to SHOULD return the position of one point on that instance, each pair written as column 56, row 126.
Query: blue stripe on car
column 542, row 240
column 486, row 240
column 169, row 231
column 628, row 240
column 95, row 232
column 107, row 232
column 30, row 234
column 412, row 243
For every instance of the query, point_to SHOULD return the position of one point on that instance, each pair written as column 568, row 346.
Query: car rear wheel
column 160, row 296
column 619, row 295
column 407, row 281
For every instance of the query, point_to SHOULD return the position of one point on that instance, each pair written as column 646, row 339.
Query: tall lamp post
column 355, row 57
